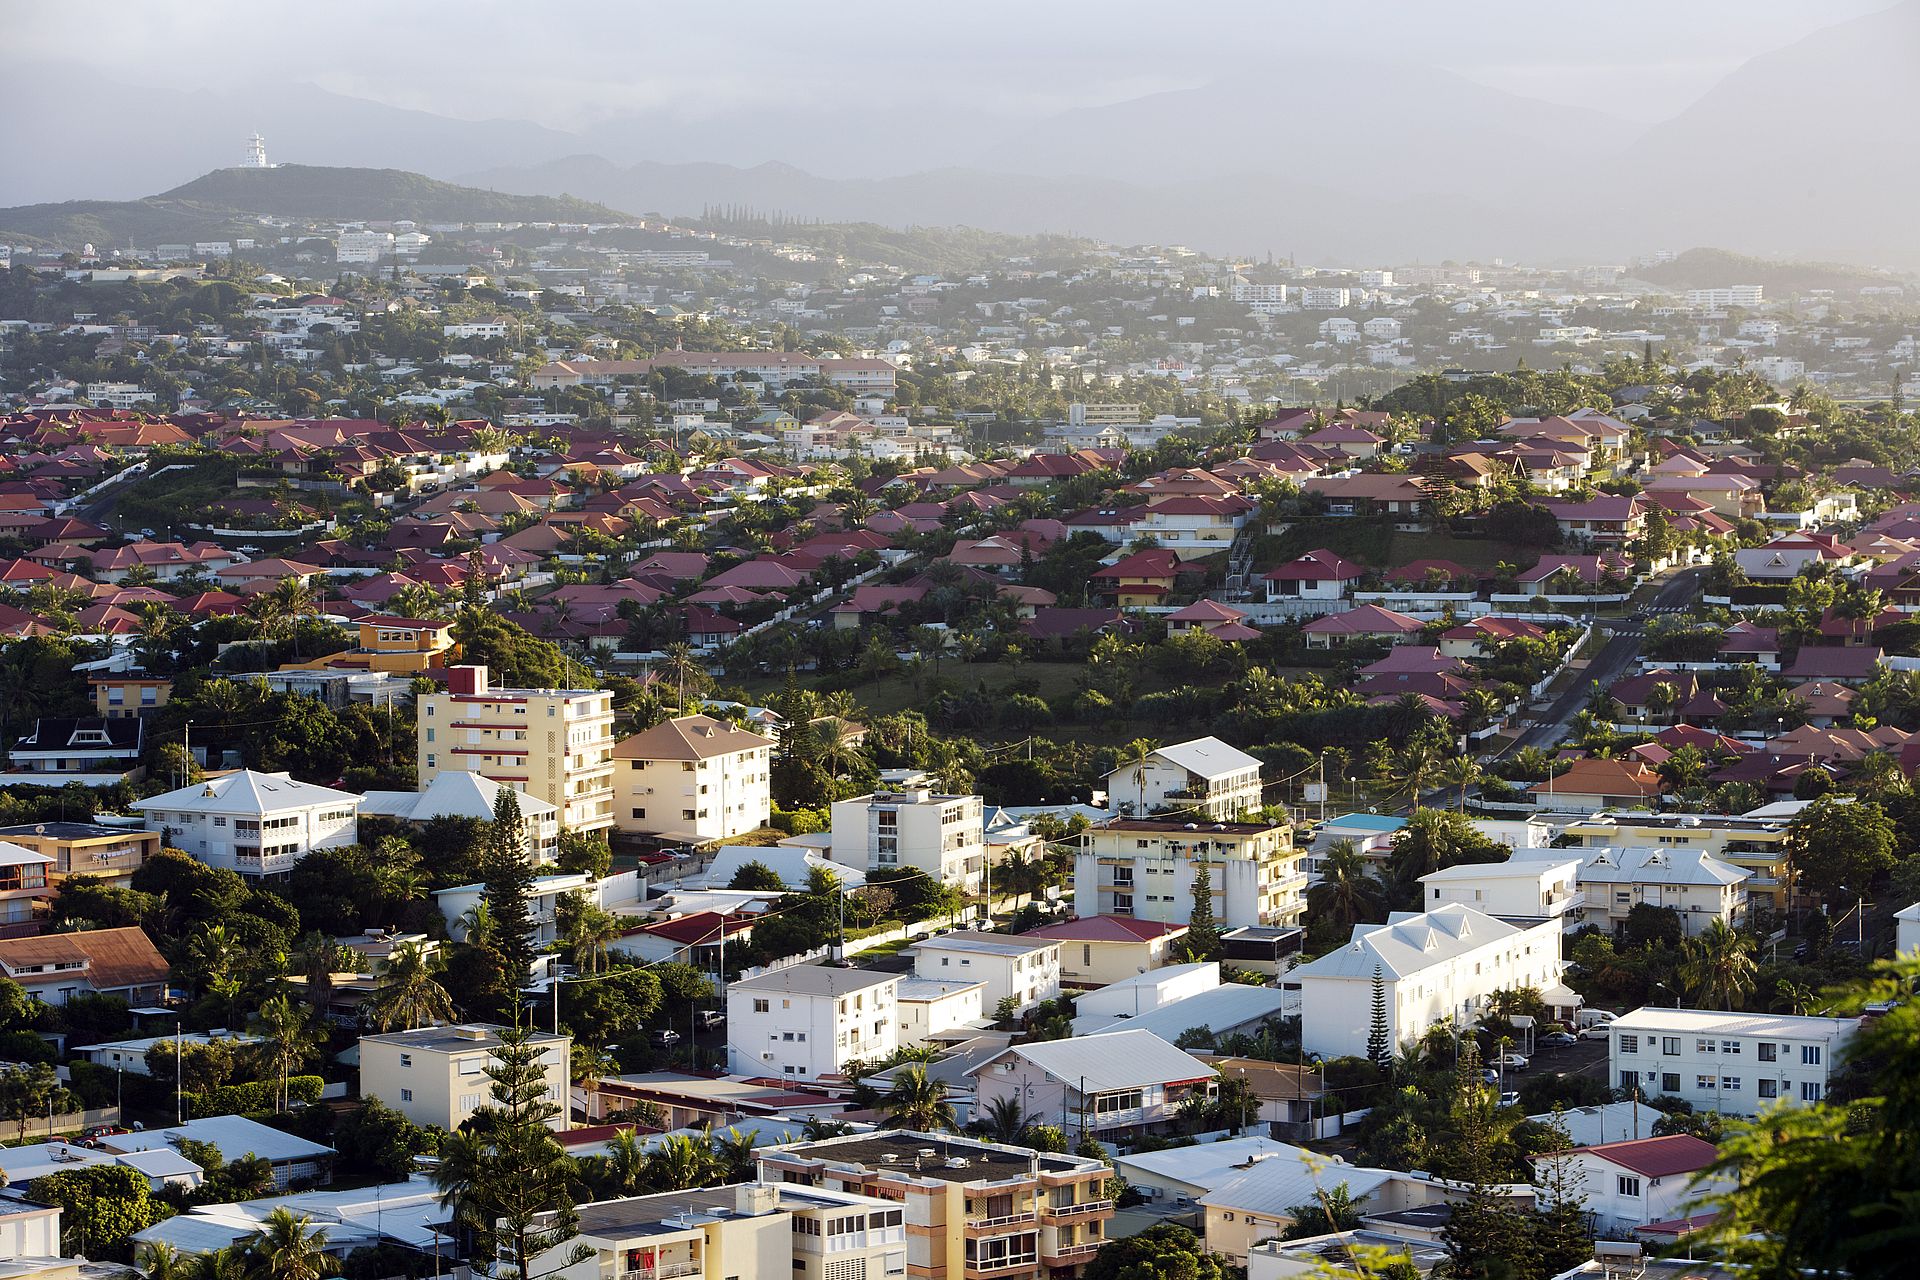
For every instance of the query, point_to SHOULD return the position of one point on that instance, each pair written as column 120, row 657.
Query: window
column 1629, row 1044
column 1730, row 1047
column 1810, row 1091
column 1670, row 1082
column 639, row 813
column 760, row 1006
column 1629, row 1186
column 1670, row 1046
column 1703, row 1082
column 406, row 1095
column 1768, row 1088
column 1809, row 1055
column 1730, row 1084
column 1704, row 1046
column 406, row 1059
column 1765, row 1051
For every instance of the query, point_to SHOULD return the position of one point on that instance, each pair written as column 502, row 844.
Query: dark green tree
column 1163, row 1252
column 1379, row 1036
column 1203, row 934
column 509, row 886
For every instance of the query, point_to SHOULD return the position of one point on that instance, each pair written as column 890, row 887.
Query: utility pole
column 179, row 1097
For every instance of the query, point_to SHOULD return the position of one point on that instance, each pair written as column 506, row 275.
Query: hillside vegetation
column 230, row 201
column 1720, row 268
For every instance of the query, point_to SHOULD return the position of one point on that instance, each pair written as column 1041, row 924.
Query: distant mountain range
column 228, row 201
column 1799, row 153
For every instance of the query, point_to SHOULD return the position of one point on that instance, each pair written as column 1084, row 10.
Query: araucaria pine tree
column 1485, row 1238
column 1562, row 1229
column 1379, row 1040
column 1203, row 935
column 509, row 886
column 504, row 1176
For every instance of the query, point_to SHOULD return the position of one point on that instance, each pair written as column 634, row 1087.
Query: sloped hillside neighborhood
column 624, row 764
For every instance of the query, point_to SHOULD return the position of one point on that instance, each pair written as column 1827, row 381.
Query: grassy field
column 1376, row 544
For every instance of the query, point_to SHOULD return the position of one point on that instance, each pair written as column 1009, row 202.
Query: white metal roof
column 236, row 1136
column 1120, row 1060
column 248, row 792
column 453, row 793
column 1784, row 1026
column 1223, row 1009
column 1406, row 944
column 1208, row 1164
column 1208, row 757
column 1275, row 1185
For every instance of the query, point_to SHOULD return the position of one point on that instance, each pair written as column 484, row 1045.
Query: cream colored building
column 437, row 1076
column 1143, row 868
column 741, row 1232
column 1755, row 842
column 693, row 778
column 972, row 1208
column 556, row 744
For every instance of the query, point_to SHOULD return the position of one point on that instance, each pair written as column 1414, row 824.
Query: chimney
column 467, row 680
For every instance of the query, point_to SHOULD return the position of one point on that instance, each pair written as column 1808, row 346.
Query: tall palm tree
column 680, row 1163
column 291, row 1248
column 1461, row 771
column 288, row 1038
column 834, row 746
column 622, row 1171
column 733, row 1154
column 1415, row 768
column 918, row 1102
column 1347, row 892
column 408, row 993
column 1136, row 759
column 587, row 931
column 1718, row 966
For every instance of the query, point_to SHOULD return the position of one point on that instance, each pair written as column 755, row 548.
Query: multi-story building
column 259, row 824
column 437, row 1076
column 1116, row 1085
column 553, row 743
column 55, row 967
column 928, row 1007
column 1755, row 842
column 1692, row 883
column 913, row 828
column 1201, row 778
column 1734, row 1063
column 693, row 778
column 973, row 1210
column 108, row 854
column 363, row 246
column 806, row 1020
column 1098, row 950
column 1014, row 968
column 26, row 896
column 750, row 1229
column 1519, row 889
column 1739, row 295
column 1143, row 868
column 118, row 696
column 390, row 644
column 1437, row 965
column 456, row 793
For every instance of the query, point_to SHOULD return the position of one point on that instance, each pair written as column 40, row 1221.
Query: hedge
column 253, row 1097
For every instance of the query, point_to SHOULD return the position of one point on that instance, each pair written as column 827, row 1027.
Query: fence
column 43, row 1127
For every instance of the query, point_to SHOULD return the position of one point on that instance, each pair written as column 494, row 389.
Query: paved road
column 1616, row 657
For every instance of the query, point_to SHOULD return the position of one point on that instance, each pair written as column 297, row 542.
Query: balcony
column 1002, row 1222
column 1066, row 1212
column 1002, row 1266
column 664, row 1271
column 1074, row 1252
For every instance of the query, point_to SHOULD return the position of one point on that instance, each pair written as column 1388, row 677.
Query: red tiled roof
column 1666, row 1157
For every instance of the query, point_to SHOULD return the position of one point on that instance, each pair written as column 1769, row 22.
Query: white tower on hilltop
column 257, row 153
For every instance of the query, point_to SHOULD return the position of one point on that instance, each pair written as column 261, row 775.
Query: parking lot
column 1586, row 1058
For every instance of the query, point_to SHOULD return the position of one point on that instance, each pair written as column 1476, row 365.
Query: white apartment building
column 1440, row 964
column 259, row 824
column 805, row 1021
column 1203, row 777
column 1739, row 295
column 556, row 744
column 1111, row 1086
column 1259, row 293
column 1026, row 972
column 914, row 828
column 120, row 395
column 1523, row 889
column 1735, row 1063
column 1629, row 1184
column 1143, row 868
column 1324, row 297
column 363, row 246
column 927, row 1007
column 1906, row 923
column 693, row 778
column 749, row 1229
column 436, row 1076
column 1692, row 883
column 455, row 793
column 475, row 329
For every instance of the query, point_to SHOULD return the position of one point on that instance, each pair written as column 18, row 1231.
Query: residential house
column 1626, row 1185
column 1120, row 1085
column 692, row 778
column 259, row 824
column 1098, row 950
column 1144, row 868
column 1203, row 778
column 119, row 696
column 108, row 854
column 1592, row 784
column 1317, row 575
column 1013, row 967
column 472, row 796
column 55, row 967
column 806, row 1021
column 436, row 1076
column 95, row 751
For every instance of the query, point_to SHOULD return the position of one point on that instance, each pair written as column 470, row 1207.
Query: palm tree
column 918, row 1102
column 622, row 1171
column 587, row 932
column 1686, row 767
column 287, row 1036
column 1415, row 766
column 1137, row 758
column 834, row 746
column 1793, row 998
column 1004, row 1119
column 1347, row 892
column 589, row 1063
column 291, row 1248
column 1718, row 966
column 1461, row 771
column 733, row 1153
column 408, row 993
column 158, row 1260
column 680, row 1163
column 316, row 958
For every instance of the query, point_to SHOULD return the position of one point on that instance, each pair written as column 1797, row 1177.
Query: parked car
column 712, row 1019
column 1512, row 1061
column 1598, row 1031
column 1511, row 1098
column 664, row 1038
column 1490, row 1076
column 1557, row 1040
column 1589, row 1017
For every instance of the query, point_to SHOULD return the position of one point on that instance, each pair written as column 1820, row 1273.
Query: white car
column 1512, row 1061
column 1598, row 1031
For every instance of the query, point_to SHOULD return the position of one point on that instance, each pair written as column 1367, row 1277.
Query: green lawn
column 1376, row 544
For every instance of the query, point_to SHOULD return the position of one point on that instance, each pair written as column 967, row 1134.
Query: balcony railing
column 1004, row 1220
column 663, row 1271
column 1056, row 1212
column 1000, row 1266
column 1074, row 1252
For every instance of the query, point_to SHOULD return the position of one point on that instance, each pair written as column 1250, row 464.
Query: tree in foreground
column 1833, row 1187
column 1164, row 1252
column 506, row 1179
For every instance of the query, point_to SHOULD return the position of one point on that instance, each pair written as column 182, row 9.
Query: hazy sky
column 569, row 63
